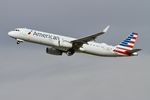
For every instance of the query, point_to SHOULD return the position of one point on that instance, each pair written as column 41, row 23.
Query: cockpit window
column 17, row 30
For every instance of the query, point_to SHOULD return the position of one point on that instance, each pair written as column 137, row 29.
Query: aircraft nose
column 10, row 34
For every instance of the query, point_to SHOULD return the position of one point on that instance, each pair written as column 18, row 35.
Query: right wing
column 79, row 42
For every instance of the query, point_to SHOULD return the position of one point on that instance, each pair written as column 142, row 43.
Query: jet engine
column 53, row 51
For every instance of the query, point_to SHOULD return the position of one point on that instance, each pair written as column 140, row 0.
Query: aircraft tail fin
column 126, row 46
column 129, row 42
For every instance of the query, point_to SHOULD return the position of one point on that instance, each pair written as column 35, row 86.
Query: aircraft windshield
column 17, row 30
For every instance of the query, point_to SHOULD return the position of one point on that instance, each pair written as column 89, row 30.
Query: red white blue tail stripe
column 126, row 44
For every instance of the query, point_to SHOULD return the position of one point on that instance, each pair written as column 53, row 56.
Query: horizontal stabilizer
column 134, row 50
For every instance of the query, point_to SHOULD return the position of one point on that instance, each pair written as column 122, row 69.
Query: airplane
column 57, row 44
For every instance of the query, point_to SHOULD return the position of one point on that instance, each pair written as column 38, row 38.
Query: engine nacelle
column 53, row 51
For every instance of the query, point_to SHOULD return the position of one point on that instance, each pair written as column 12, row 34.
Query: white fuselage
column 62, row 42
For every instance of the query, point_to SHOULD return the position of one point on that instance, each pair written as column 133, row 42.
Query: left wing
column 79, row 42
